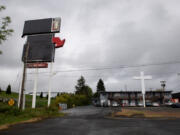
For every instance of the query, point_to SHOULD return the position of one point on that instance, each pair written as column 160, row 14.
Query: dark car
column 175, row 105
column 148, row 104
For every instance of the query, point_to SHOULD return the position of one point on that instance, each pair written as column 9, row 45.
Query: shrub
column 72, row 99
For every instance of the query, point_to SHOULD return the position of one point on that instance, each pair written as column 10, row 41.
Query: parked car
column 105, row 104
column 148, row 104
column 175, row 105
column 132, row 104
column 168, row 103
column 115, row 104
column 140, row 104
column 155, row 104
column 97, row 104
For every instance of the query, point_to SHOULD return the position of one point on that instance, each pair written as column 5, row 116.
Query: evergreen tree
column 8, row 90
column 47, row 96
column 82, row 88
column 0, row 90
column 100, row 86
column 41, row 95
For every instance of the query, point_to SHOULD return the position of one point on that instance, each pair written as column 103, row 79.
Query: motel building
column 134, row 98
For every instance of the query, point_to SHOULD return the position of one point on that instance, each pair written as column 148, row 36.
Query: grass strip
column 145, row 114
column 10, row 114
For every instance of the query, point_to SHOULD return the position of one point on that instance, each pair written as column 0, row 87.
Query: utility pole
column 23, row 79
column 125, row 87
column 163, row 85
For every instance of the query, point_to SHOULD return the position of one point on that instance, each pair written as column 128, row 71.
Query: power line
column 95, row 76
column 120, row 67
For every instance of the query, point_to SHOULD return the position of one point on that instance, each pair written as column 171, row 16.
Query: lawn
column 11, row 114
column 40, row 102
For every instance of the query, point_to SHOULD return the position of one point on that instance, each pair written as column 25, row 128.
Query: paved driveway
column 90, row 121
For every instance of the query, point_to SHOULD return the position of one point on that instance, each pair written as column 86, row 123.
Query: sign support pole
column 50, row 87
column 23, row 79
column 24, row 100
column 19, row 95
column 35, row 88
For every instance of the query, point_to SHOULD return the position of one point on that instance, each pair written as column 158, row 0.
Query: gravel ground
column 91, row 121
column 87, row 111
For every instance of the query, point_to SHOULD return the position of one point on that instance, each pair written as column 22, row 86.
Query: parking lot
column 90, row 120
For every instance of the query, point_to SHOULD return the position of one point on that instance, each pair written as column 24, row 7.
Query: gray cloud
column 99, row 34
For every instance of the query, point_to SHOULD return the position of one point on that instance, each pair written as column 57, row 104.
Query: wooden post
column 23, row 78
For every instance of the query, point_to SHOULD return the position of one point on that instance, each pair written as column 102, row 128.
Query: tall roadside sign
column 39, row 50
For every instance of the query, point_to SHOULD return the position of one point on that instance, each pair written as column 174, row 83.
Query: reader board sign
column 37, row 65
column 41, row 26
column 38, row 52
column 42, row 38
column 40, row 49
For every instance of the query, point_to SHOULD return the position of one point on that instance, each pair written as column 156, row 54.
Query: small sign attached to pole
column 11, row 102
column 37, row 65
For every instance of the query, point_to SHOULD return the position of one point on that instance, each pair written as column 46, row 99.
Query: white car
column 168, row 103
column 115, row 104
column 155, row 104
column 132, row 104
column 140, row 104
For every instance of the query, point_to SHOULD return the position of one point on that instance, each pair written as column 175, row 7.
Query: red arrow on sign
column 58, row 42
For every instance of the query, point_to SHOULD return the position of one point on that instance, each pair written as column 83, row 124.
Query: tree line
column 8, row 89
column 83, row 94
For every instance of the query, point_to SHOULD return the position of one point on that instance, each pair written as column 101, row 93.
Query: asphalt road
column 91, row 121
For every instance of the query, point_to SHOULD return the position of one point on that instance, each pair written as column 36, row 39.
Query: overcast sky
column 99, row 34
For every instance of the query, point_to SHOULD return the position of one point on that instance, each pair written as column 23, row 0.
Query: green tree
column 83, row 89
column 88, row 92
column 8, row 90
column 0, row 90
column 57, row 94
column 100, row 86
column 41, row 95
column 96, row 95
column 80, row 86
column 4, row 29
